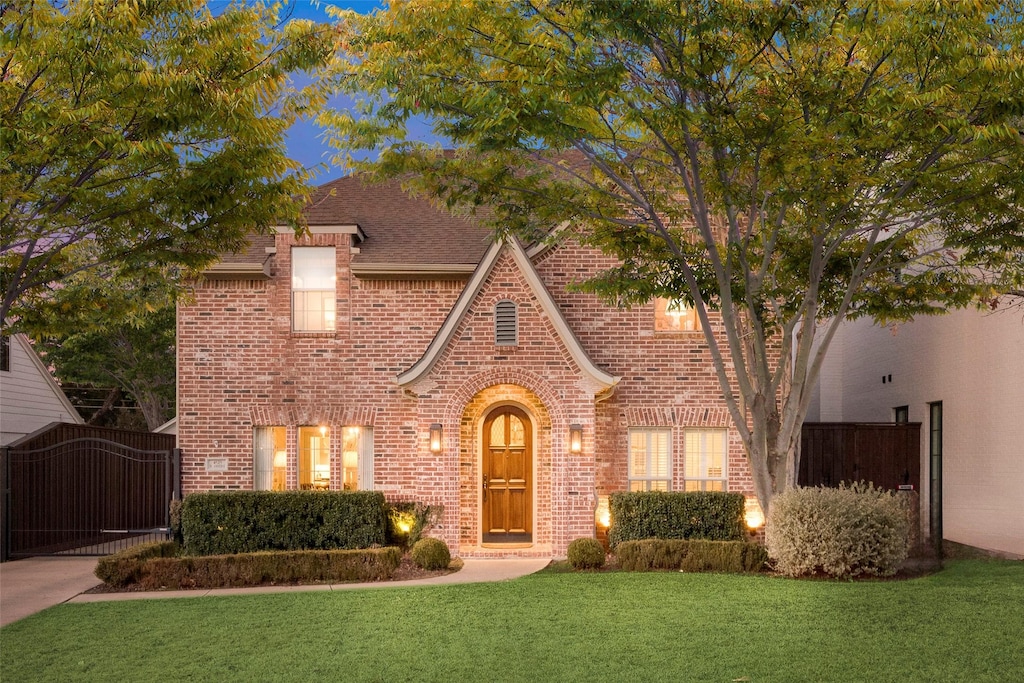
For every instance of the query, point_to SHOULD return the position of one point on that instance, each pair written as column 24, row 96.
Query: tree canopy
column 142, row 138
column 782, row 166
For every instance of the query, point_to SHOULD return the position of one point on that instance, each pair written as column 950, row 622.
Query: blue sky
column 305, row 140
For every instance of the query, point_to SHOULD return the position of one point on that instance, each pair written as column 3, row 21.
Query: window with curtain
column 675, row 315
column 314, row 457
column 314, row 274
column 271, row 458
column 705, row 462
column 649, row 459
column 357, row 459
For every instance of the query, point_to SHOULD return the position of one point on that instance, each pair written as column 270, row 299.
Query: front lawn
column 964, row 623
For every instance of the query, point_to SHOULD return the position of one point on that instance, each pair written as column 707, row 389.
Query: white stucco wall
column 971, row 361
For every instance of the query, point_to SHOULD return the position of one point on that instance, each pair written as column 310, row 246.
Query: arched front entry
column 507, row 469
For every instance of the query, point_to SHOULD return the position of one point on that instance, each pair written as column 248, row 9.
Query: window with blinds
column 705, row 462
column 649, row 459
column 506, row 324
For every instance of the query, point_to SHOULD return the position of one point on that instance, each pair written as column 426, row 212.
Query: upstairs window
column 314, row 273
column 506, row 324
column 675, row 315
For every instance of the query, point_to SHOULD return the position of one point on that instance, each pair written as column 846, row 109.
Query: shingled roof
column 399, row 229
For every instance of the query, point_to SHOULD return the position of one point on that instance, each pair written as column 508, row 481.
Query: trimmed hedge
column 228, row 522
column 696, row 555
column 843, row 532
column 712, row 515
column 125, row 566
column 151, row 572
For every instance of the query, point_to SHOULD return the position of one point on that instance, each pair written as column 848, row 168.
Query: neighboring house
column 169, row 427
column 30, row 399
column 961, row 376
column 398, row 349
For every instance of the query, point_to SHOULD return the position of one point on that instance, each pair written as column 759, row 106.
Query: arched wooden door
column 507, row 477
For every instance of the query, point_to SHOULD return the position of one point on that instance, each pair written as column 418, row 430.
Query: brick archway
column 478, row 397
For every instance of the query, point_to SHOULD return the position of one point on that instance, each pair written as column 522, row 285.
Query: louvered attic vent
column 506, row 324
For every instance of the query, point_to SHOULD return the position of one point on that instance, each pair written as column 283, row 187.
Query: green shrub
column 696, row 555
column 711, row 515
column 586, row 553
column 841, row 532
column 125, row 566
column 175, row 515
column 226, row 522
column 407, row 522
column 254, row 569
column 431, row 553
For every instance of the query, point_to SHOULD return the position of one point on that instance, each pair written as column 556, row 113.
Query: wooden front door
column 507, row 477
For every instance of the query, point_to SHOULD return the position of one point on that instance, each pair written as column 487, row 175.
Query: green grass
column 963, row 624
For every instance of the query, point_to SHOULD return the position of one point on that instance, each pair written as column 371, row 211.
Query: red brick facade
column 240, row 367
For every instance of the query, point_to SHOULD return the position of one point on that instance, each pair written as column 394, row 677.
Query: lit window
column 705, row 460
column 675, row 315
column 649, row 459
column 506, row 325
column 314, row 457
column 314, row 273
column 271, row 455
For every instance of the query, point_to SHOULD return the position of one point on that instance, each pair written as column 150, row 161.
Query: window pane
column 313, row 268
column 498, row 432
column 649, row 460
column 350, row 459
column 674, row 315
column 517, row 435
column 313, row 289
column 705, row 461
column 271, row 459
column 314, row 457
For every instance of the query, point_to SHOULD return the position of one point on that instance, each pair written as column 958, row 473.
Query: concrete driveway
column 35, row 583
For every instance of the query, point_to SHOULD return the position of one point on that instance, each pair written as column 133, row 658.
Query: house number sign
column 216, row 464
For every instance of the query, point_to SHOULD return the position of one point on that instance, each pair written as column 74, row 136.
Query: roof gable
column 602, row 381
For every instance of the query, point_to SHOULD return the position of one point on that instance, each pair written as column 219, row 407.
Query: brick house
column 400, row 349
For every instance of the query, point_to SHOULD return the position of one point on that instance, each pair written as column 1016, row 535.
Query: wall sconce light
column 575, row 438
column 435, row 437
column 753, row 515
column 603, row 513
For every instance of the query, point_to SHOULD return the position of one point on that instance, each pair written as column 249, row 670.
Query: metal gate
column 67, row 491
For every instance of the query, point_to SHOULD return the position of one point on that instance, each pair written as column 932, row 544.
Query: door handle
column 485, row 487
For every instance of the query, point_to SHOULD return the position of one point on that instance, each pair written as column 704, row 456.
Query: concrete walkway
column 31, row 585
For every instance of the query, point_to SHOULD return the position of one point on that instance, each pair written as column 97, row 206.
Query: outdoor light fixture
column 603, row 514
column 435, row 437
column 753, row 514
column 575, row 438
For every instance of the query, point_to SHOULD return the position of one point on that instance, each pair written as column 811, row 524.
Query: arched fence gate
column 82, row 490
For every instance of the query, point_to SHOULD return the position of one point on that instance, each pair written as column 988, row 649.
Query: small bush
column 586, row 553
column 407, row 522
column 841, row 532
column 431, row 553
column 126, row 566
column 227, row 522
column 691, row 555
column 711, row 515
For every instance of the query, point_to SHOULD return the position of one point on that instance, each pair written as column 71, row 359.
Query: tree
column 142, row 137
column 786, row 165
column 131, row 356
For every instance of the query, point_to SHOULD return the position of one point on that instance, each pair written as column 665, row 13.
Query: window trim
column 650, row 479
